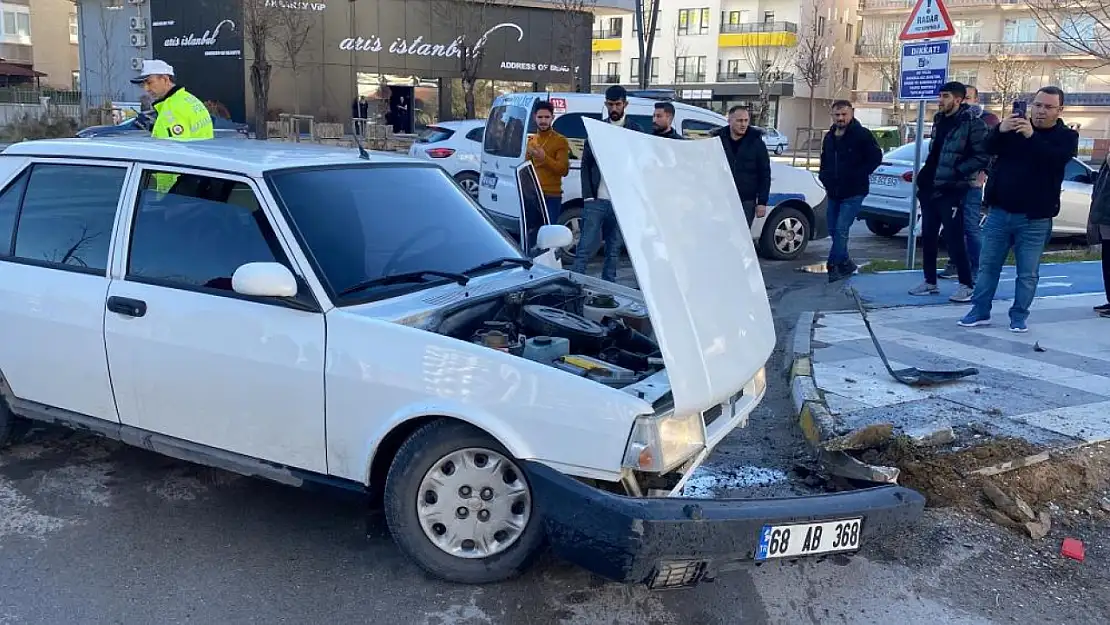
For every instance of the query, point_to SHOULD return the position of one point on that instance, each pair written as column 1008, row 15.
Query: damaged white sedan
column 310, row 315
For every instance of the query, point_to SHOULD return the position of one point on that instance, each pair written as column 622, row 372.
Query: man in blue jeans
column 1024, row 196
column 599, row 222
column 849, row 154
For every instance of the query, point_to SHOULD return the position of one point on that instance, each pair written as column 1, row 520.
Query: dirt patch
column 1073, row 480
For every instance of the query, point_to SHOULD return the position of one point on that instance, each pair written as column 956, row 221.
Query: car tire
column 883, row 228
column 779, row 149
column 424, row 491
column 571, row 218
column 7, row 423
column 774, row 242
column 468, row 180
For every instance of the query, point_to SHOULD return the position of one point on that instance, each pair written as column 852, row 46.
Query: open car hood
column 689, row 242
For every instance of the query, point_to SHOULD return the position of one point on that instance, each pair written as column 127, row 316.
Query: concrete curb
column 827, row 434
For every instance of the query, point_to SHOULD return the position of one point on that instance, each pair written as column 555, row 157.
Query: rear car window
column 434, row 134
column 505, row 131
column 697, row 129
column 476, row 134
column 59, row 227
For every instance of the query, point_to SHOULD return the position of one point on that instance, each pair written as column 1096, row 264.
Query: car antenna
column 362, row 153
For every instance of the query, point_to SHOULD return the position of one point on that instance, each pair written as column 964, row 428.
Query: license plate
column 489, row 181
column 808, row 539
column 884, row 181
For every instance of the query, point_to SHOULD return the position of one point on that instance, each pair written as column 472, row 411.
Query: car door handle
column 127, row 306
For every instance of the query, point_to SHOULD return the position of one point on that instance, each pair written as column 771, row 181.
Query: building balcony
column 605, row 79
column 749, row 77
column 608, row 33
column 896, row 6
column 981, row 50
column 1074, row 99
column 758, row 34
column 685, row 77
column 607, row 40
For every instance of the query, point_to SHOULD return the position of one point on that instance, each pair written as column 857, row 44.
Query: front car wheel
column 459, row 505
column 785, row 234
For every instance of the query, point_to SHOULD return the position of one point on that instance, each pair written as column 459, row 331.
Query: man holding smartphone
column 1031, row 153
column 957, row 153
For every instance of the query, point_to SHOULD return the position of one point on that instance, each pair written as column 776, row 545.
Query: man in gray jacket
column 599, row 223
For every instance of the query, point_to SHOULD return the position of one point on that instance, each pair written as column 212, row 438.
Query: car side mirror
column 264, row 280
column 553, row 237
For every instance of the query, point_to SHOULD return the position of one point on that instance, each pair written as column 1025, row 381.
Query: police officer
column 181, row 115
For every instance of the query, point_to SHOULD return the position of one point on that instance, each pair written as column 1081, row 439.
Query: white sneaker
column 962, row 294
column 925, row 289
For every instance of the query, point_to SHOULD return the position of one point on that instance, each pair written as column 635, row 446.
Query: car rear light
column 440, row 152
column 907, row 176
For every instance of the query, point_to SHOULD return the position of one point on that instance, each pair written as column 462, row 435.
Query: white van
column 797, row 201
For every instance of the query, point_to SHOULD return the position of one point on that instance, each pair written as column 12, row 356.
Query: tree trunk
column 260, row 87
column 468, row 97
column 296, row 92
column 809, row 131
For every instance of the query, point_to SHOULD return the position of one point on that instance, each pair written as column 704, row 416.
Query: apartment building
column 999, row 46
column 710, row 53
column 38, row 44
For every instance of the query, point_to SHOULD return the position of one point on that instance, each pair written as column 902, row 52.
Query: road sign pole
column 911, row 242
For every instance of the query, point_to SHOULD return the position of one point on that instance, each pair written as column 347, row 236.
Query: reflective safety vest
column 181, row 117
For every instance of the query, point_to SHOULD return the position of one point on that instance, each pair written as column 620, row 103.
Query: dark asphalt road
column 92, row 532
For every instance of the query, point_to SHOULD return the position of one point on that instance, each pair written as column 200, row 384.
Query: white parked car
column 886, row 209
column 775, row 140
column 797, row 202
column 455, row 146
column 309, row 316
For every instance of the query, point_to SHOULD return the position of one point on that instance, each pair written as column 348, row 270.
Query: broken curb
column 827, row 434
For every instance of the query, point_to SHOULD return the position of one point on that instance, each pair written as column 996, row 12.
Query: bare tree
column 813, row 60
column 572, row 14
column 293, row 29
column 647, row 20
column 261, row 25
column 1008, row 75
column 106, row 62
column 678, row 51
column 770, row 65
column 472, row 20
column 1082, row 27
column 884, row 57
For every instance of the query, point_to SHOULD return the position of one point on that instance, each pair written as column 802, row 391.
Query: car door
column 192, row 359
column 510, row 121
column 56, row 223
column 1075, row 199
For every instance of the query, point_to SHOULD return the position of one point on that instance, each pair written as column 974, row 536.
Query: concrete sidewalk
column 1055, row 397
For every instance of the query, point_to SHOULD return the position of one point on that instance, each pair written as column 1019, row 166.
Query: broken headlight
column 660, row 443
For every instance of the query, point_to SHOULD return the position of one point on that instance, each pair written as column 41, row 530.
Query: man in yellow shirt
column 181, row 115
column 550, row 155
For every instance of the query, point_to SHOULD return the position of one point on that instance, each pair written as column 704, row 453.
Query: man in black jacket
column 662, row 121
column 599, row 222
column 1098, row 229
column 849, row 153
column 1031, row 155
column 748, row 160
column 957, row 153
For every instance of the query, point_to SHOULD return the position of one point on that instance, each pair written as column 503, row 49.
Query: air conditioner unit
column 138, row 40
column 136, row 63
column 138, row 23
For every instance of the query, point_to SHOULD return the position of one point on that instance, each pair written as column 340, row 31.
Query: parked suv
column 797, row 212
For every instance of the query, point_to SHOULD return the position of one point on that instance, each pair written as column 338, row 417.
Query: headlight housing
column 660, row 443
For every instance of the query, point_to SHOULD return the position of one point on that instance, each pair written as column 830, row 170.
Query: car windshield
column 361, row 223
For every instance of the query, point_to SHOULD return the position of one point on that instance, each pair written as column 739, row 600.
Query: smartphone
column 1020, row 108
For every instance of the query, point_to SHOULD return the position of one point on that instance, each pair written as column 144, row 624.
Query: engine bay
column 602, row 337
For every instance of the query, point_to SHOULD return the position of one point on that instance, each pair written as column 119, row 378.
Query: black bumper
column 821, row 220
column 883, row 215
column 660, row 540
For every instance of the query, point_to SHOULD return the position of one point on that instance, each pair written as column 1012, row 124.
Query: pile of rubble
column 1010, row 510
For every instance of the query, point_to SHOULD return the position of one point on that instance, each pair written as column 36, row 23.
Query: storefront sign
column 208, row 39
column 297, row 5
column 418, row 47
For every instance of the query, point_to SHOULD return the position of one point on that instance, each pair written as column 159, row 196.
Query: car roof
column 457, row 124
column 244, row 156
column 572, row 96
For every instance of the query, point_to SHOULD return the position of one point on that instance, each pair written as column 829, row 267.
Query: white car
column 797, row 201
column 886, row 209
column 307, row 315
column 455, row 146
column 776, row 141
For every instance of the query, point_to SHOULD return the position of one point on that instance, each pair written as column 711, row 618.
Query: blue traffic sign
column 924, row 70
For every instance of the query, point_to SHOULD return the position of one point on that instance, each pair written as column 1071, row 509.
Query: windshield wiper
column 408, row 276
column 497, row 262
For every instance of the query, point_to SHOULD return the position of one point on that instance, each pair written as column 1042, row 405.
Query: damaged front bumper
column 673, row 542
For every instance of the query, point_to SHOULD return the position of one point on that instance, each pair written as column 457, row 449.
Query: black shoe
column 1104, row 313
column 949, row 273
column 848, row 267
column 1103, row 308
column 836, row 273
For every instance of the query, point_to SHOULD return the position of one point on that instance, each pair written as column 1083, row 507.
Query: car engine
column 598, row 336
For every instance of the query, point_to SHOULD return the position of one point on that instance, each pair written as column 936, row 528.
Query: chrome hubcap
column 789, row 235
column 473, row 503
column 575, row 225
column 470, row 186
